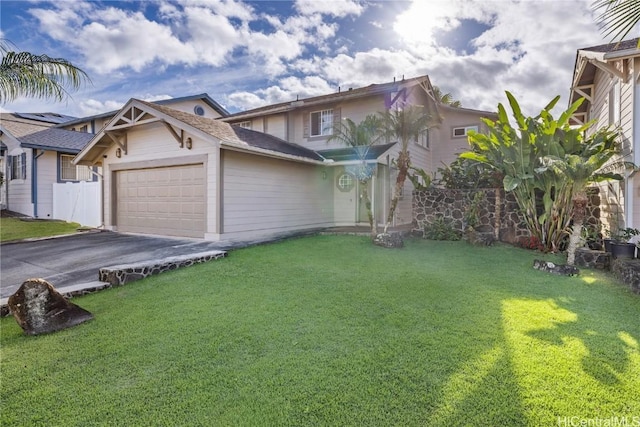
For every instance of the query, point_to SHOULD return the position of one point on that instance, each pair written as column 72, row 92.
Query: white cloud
column 91, row 107
column 288, row 89
column 337, row 8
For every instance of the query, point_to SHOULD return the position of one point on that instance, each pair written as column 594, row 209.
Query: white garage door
column 168, row 201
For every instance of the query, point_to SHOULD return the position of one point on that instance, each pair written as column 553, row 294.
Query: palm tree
column 403, row 125
column 39, row 76
column 446, row 98
column 617, row 17
column 361, row 137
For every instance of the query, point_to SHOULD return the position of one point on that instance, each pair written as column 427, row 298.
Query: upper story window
column 71, row 172
column 18, row 166
column 321, row 123
column 422, row 139
column 245, row 124
column 464, row 130
column 84, row 129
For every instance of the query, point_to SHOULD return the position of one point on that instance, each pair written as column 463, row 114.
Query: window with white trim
column 460, row 132
column 321, row 123
column 18, row 166
column 71, row 172
column 422, row 139
column 245, row 124
column 345, row 182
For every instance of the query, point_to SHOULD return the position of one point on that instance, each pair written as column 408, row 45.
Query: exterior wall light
column 189, row 143
column 118, row 152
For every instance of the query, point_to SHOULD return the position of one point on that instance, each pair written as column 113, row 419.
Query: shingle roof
column 203, row 96
column 53, row 118
column 225, row 132
column 270, row 142
column 350, row 153
column 614, row 47
column 18, row 126
column 55, row 139
column 220, row 130
column 342, row 94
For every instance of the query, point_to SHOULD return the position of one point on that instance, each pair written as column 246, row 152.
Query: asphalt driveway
column 76, row 259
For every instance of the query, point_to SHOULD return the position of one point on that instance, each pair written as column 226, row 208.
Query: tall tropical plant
column 523, row 153
column 617, row 17
column 403, row 125
column 578, row 169
column 361, row 137
column 39, row 76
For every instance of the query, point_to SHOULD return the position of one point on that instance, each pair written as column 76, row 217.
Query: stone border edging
column 119, row 275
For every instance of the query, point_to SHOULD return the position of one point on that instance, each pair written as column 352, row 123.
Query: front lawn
column 331, row 330
column 15, row 229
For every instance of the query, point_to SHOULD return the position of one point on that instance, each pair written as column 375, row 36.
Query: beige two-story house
column 265, row 171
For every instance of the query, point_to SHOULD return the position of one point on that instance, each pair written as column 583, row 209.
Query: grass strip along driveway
column 331, row 330
column 14, row 228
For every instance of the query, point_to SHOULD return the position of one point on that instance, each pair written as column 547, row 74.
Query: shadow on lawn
column 606, row 348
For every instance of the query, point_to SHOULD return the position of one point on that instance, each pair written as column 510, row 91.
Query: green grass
column 15, row 229
column 331, row 330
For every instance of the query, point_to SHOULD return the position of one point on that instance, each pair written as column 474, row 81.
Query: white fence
column 78, row 202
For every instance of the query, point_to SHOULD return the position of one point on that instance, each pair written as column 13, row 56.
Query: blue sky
column 248, row 54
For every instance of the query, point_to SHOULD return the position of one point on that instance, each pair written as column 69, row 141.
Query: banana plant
column 529, row 154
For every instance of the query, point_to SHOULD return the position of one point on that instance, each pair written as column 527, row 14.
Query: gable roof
column 373, row 89
column 202, row 96
column 591, row 59
column 229, row 136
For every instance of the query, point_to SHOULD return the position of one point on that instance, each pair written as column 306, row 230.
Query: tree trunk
column 580, row 201
column 403, row 169
column 367, row 203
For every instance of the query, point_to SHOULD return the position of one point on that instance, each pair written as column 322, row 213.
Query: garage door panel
column 166, row 201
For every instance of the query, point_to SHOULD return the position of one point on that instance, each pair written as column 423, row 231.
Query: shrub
column 531, row 242
column 441, row 229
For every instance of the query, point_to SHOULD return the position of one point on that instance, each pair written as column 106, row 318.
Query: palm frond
column 617, row 17
column 39, row 76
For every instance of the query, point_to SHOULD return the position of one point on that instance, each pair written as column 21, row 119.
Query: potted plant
column 620, row 246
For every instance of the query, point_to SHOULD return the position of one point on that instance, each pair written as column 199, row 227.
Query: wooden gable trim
column 585, row 91
column 609, row 69
column 133, row 116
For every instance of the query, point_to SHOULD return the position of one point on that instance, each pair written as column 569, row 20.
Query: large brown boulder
column 39, row 308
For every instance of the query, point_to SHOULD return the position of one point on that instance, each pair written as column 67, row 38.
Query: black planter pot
column 607, row 244
column 623, row 250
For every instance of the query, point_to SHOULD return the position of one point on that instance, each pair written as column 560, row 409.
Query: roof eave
column 235, row 146
column 65, row 150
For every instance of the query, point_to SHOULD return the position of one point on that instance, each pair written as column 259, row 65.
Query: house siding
column 19, row 190
column 264, row 196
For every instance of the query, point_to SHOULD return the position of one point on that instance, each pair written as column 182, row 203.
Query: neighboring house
column 172, row 172
column 200, row 105
column 35, row 155
column 607, row 76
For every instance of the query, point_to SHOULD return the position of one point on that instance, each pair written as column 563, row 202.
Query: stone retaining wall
column 118, row 275
column 434, row 203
